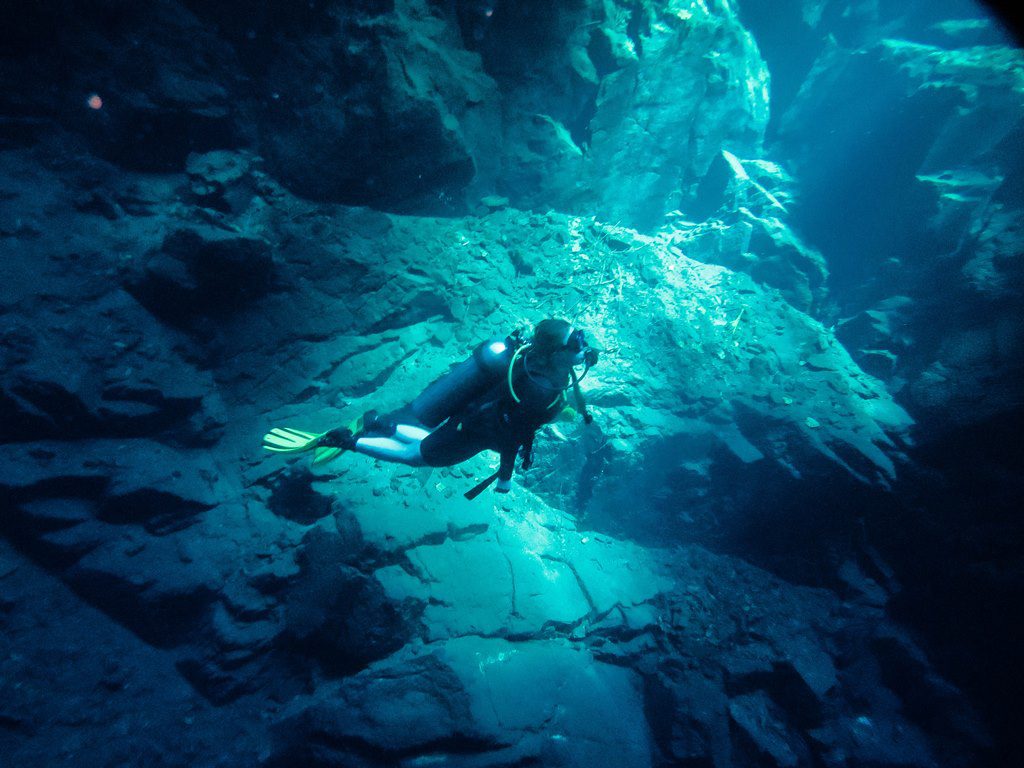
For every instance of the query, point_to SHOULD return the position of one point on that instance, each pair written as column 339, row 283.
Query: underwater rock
column 197, row 276
column 746, row 206
column 143, row 586
column 471, row 572
column 57, row 488
column 501, row 703
column 611, row 95
column 158, row 511
column 390, row 114
column 77, row 686
column 494, row 202
column 292, row 496
column 765, row 735
column 222, row 180
column 795, row 671
column 144, row 88
column 402, row 705
column 959, row 387
column 924, row 177
column 928, row 700
column 688, row 716
column 866, row 740
column 943, row 168
column 560, row 705
column 994, row 267
column 412, row 107
column 80, row 358
column 878, row 336
column 335, row 613
column 719, row 334
column 739, row 684
column 792, row 34
column 37, row 409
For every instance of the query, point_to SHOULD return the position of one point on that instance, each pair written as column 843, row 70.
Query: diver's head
column 550, row 336
column 561, row 344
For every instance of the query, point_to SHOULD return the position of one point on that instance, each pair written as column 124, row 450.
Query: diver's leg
column 390, row 449
column 449, row 445
column 410, row 434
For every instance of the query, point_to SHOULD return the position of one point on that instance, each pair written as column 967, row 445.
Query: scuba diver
column 495, row 400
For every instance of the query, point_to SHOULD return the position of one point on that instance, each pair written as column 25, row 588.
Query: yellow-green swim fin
column 289, row 440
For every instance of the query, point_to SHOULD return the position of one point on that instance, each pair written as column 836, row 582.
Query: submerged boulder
column 747, row 205
column 489, row 701
column 201, row 276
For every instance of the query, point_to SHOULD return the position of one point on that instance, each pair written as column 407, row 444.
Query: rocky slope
column 370, row 615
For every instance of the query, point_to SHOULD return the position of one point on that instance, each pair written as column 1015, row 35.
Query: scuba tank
column 466, row 380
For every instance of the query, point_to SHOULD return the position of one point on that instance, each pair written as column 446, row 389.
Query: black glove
column 527, row 461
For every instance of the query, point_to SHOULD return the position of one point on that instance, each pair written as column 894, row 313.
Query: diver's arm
column 508, row 464
column 526, row 452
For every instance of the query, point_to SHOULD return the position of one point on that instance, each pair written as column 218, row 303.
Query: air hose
column 512, row 365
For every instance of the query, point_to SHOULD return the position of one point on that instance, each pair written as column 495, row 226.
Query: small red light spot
column 95, row 102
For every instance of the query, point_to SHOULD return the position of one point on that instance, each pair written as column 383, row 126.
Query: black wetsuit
column 494, row 421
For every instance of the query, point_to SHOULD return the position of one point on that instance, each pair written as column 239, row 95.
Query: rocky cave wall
column 923, row 244
column 287, row 215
